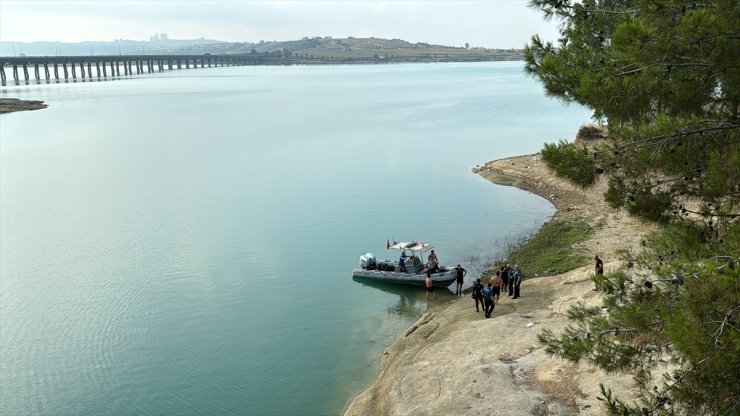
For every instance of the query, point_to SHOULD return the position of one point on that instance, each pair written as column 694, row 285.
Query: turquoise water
column 183, row 243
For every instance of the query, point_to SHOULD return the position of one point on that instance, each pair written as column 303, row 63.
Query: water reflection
column 412, row 300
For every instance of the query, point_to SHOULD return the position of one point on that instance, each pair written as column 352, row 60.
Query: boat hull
column 442, row 279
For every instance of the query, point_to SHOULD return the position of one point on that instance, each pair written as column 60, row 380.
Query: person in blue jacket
column 517, row 281
column 488, row 299
column 402, row 262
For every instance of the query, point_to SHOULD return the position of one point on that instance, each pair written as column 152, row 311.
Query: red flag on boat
column 387, row 244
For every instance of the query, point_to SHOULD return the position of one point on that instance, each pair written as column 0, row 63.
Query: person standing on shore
column 495, row 284
column 505, row 277
column 459, row 275
column 510, row 275
column 478, row 295
column 430, row 288
column 488, row 299
column 599, row 272
column 599, row 265
column 517, row 281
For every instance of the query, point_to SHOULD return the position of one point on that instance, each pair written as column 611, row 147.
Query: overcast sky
column 491, row 23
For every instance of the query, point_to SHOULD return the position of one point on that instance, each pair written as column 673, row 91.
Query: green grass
column 550, row 251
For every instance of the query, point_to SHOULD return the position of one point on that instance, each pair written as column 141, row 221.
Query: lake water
column 183, row 243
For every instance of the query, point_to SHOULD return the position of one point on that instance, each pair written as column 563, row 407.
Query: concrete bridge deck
column 104, row 66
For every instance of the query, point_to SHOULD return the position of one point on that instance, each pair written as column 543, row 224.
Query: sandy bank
column 9, row 105
column 456, row 362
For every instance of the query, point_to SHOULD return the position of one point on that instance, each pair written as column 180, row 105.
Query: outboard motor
column 367, row 261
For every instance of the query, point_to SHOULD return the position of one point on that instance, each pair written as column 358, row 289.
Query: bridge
column 102, row 67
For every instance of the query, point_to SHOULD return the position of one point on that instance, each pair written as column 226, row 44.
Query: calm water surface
column 183, row 243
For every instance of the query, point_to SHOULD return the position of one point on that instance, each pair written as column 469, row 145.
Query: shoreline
column 451, row 361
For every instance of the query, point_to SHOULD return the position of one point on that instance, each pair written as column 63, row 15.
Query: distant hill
column 369, row 49
column 306, row 50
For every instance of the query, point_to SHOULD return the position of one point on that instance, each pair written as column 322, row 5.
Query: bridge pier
column 74, row 70
column 82, row 70
column 3, row 79
column 66, row 74
column 36, row 72
column 46, row 71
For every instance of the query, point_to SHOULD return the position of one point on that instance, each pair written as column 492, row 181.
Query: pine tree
column 665, row 77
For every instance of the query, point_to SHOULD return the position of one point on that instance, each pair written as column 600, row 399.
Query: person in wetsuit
column 459, row 274
column 478, row 295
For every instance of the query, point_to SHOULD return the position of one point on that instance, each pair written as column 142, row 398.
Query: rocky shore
column 455, row 362
column 9, row 105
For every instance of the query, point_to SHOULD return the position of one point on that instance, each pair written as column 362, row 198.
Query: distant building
column 157, row 37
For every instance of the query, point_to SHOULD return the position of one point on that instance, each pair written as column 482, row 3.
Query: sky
column 485, row 23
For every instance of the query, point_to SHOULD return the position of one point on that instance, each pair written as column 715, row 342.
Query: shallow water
column 183, row 243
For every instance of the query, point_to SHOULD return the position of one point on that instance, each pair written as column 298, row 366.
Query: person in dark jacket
column 599, row 265
column 599, row 272
column 478, row 295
